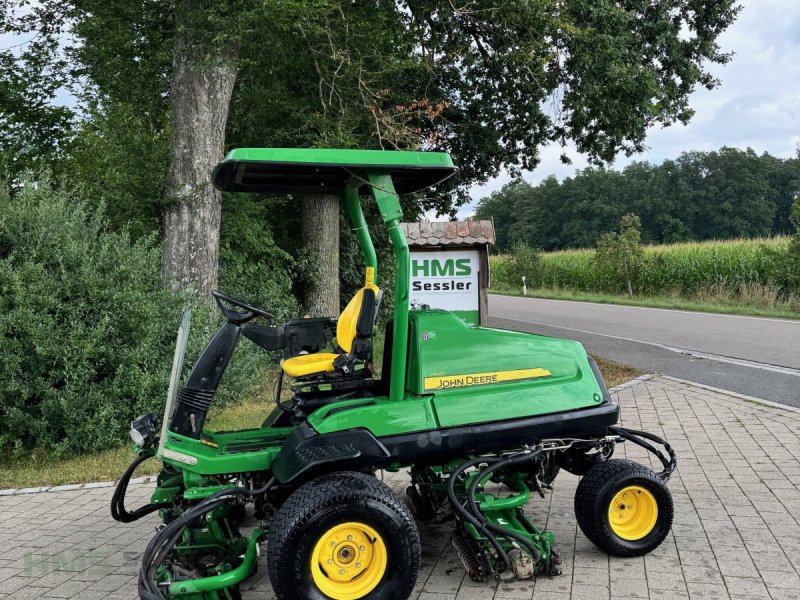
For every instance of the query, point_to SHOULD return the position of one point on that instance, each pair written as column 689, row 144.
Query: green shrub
column 791, row 268
column 524, row 263
column 88, row 328
column 251, row 266
column 620, row 253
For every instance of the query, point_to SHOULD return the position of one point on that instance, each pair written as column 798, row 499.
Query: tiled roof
column 448, row 233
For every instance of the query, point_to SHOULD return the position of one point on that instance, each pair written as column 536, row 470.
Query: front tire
column 623, row 508
column 345, row 536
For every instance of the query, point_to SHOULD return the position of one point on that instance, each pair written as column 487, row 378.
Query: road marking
column 671, row 310
column 736, row 361
column 692, row 353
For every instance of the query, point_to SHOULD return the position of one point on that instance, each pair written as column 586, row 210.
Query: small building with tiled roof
column 449, row 233
column 432, row 241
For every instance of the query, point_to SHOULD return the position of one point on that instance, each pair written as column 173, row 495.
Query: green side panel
column 381, row 417
column 480, row 374
column 225, row 452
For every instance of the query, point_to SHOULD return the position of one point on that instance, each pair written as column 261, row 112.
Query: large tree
column 203, row 74
column 490, row 82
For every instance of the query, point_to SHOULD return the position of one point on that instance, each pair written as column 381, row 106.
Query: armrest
column 308, row 335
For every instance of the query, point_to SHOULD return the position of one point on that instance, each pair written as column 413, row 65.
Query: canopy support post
column 355, row 215
column 389, row 206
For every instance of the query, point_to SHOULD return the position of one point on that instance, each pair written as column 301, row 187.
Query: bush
column 524, row 263
column 88, row 328
column 792, row 263
column 251, row 266
column 621, row 253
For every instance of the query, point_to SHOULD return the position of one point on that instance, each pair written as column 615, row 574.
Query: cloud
column 757, row 105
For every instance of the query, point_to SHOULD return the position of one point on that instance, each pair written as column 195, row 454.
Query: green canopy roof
column 316, row 171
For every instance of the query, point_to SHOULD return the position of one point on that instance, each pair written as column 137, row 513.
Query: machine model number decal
column 447, row 382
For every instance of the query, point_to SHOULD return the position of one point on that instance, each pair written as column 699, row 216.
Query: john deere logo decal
column 447, row 382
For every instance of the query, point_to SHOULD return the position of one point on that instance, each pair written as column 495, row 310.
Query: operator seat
column 353, row 338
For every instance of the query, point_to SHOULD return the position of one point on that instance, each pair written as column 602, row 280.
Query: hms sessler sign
column 445, row 279
column 431, row 269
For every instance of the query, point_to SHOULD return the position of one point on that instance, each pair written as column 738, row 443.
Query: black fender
column 305, row 450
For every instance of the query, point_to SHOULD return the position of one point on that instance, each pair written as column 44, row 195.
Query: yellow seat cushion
column 322, row 362
column 307, row 364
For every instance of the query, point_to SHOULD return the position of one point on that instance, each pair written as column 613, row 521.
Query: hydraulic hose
column 633, row 435
column 161, row 544
column 519, row 457
column 118, row 511
column 479, row 524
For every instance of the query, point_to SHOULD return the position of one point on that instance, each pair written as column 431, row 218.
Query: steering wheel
column 234, row 316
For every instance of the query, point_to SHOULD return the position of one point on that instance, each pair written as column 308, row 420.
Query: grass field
column 39, row 469
column 732, row 276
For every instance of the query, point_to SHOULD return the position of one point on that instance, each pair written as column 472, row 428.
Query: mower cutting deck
column 465, row 408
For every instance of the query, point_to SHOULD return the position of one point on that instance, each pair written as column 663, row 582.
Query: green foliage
column 519, row 74
column 791, row 268
column 252, row 266
column 524, row 263
column 488, row 81
column 621, row 253
column 118, row 157
column 700, row 195
column 33, row 122
column 88, row 328
column 686, row 269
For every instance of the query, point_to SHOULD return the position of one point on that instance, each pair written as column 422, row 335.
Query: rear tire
column 344, row 535
column 623, row 508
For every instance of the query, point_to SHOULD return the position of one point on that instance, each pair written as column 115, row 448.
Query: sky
column 757, row 104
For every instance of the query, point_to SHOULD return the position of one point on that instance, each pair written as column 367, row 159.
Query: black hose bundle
column 632, row 435
column 478, row 522
column 472, row 514
column 118, row 511
column 161, row 544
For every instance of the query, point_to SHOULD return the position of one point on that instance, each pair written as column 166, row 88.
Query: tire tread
column 322, row 492
column 591, row 516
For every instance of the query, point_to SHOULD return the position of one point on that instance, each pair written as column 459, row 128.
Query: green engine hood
column 479, row 374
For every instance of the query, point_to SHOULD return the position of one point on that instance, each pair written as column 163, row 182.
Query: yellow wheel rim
column 348, row 561
column 633, row 513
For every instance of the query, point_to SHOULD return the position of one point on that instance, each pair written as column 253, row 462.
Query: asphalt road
column 754, row 356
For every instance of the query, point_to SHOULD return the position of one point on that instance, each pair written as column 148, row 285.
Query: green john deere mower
column 482, row 418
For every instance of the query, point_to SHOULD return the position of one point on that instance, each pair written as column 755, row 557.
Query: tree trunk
column 630, row 287
column 200, row 93
column 321, row 237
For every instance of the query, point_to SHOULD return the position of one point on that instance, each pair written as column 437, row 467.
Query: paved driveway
column 736, row 532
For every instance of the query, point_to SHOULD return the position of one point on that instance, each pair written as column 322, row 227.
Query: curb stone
column 744, row 397
column 632, row 382
column 73, row 486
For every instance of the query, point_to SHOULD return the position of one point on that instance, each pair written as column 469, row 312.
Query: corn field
column 690, row 269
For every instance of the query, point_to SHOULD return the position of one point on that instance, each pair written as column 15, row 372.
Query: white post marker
column 524, row 287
